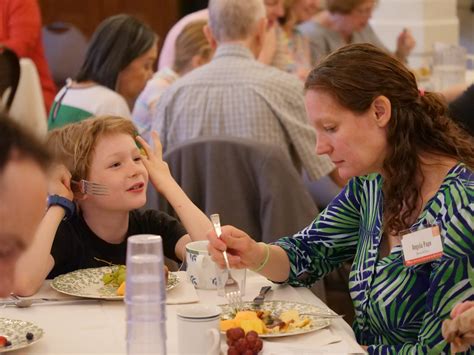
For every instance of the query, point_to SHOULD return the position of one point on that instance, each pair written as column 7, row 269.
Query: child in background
column 78, row 229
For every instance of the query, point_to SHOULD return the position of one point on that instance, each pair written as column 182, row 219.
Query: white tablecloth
column 99, row 327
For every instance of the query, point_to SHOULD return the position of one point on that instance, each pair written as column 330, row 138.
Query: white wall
column 429, row 21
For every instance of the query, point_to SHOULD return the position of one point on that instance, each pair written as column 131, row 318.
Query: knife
column 258, row 301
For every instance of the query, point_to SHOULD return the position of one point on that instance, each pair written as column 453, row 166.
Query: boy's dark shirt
column 75, row 244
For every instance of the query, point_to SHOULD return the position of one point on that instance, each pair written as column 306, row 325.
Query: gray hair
column 233, row 20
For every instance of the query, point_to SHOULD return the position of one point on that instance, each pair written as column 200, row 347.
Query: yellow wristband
column 265, row 261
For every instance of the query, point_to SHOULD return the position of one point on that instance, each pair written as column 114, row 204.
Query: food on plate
column 121, row 290
column 29, row 336
column 241, row 342
column 264, row 322
column 421, row 73
column 4, row 342
column 117, row 278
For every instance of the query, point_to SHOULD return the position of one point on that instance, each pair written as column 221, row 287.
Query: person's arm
column 453, row 92
column 24, row 27
column 194, row 220
column 35, row 264
column 405, row 44
column 312, row 252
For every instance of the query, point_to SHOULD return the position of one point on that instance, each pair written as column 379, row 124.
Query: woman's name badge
column 422, row 246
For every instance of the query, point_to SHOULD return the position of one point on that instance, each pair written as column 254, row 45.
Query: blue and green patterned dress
column 399, row 309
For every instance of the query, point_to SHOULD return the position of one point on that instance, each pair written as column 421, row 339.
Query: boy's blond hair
column 73, row 145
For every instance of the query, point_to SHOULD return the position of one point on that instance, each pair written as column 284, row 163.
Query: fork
column 89, row 188
column 27, row 302
column 231, row 287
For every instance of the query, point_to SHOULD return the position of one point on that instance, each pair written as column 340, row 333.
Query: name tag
column 422, row 246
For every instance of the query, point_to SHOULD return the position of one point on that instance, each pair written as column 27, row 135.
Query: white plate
column 15, row 332
column 276, row 308
column 88, row 283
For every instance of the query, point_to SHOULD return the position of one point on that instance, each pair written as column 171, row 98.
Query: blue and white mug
column 201, row 269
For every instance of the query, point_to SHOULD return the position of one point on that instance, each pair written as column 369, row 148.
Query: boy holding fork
column 78, row 229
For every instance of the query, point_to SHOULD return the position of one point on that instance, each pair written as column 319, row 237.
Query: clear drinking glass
column 145, row 295
column 239, row 275
column 449, row 65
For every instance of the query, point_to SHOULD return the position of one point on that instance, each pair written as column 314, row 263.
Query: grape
column 235, row 333
column 252, row 335
column 241, row 345
column 107, row 278
column 232, row 351
column 116, row 277
column 259, row 345
column 248, row 352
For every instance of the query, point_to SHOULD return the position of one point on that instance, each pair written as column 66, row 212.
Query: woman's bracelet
column 267, row 257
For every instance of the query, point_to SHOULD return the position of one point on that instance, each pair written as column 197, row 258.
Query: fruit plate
column 15, row 331
column 276, row 308
column 88, row 283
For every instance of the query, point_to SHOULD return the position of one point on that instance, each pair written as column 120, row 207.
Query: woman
column 118, row 63
column 192, row 50
column 411, row 168
column 345, row 22
column 298, row 61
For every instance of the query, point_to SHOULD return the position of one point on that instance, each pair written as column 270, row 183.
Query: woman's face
column 355, row 143
column 359, row 17
column 132, row 80
column 274, row 10
column 304, row 10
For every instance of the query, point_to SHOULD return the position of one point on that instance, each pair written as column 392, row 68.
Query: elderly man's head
column 23, row 181
column 236, row 20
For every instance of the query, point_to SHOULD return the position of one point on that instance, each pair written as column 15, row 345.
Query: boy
column 103, row 150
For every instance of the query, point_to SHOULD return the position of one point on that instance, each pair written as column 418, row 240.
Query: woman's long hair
column 355, row 76
column 114, row 45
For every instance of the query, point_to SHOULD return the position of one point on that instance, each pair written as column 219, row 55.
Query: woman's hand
column 405, row 44
column 242, row 251
column 60, row 182
column 158, row 169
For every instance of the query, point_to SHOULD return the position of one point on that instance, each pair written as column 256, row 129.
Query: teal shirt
column 65, row 114
column 399, row 309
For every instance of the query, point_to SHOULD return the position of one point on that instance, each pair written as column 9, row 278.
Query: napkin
column 183, row 293
column 301, row 344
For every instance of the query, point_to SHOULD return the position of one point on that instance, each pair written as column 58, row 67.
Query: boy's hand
column 60, row 182
column 153, row 160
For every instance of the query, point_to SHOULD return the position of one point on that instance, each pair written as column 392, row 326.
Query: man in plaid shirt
column 235, row 95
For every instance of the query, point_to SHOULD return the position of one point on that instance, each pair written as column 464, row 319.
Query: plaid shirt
column 235, row 95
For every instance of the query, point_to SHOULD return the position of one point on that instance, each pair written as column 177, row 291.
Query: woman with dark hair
column 346, row 22
column 406, row 216
column 118, row 63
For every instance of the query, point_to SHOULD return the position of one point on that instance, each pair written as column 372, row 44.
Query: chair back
column 28, row 105
column 252, row 186
column 9, row 76
column 65, row 49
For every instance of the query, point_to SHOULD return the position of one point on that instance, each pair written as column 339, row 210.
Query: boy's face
column 117, row 163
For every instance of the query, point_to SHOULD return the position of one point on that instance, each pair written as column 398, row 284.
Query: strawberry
column 3, row 341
